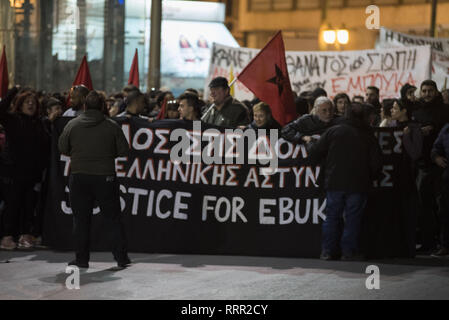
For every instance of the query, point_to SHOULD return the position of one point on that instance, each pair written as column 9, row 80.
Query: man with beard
column 78, row 96
column 431, row 115
column 372, row 98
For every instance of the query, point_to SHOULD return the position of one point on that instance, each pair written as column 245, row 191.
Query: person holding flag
column 225, row 111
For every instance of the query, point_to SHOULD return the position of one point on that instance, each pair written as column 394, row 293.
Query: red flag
column 4, row 81
column 134, row 72
column 267, row 77
column 161, row 114
column 83, row 75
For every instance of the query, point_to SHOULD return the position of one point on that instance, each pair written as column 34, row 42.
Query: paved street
column 41, row 275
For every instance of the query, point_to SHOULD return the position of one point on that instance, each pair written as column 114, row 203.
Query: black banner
column 212, row 208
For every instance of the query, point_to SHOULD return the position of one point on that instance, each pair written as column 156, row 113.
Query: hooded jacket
column 93, row 142
column 352, row 156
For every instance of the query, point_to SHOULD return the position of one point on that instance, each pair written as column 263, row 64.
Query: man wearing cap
column 225, row 111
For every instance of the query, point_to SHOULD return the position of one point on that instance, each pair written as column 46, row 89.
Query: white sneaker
column 8, row 243
column 26, row 241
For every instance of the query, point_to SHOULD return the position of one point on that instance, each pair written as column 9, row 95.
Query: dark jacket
column 27, row 146
column 272, row 124
column 307, row 125
column 93, row 142
column 431, row 113
column 441, row 148
column 441, row 145
column 352, row 156
column 232, row 114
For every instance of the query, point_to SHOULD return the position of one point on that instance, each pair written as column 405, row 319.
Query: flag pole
column 213, row 104
column 232, row 82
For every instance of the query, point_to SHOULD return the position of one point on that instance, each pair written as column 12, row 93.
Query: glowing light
column 329, row 36
column 343, row 36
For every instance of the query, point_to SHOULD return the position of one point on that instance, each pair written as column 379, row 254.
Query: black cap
column 319, row 92
column 219, row 82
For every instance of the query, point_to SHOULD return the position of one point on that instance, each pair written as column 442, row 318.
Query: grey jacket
column 93, row 142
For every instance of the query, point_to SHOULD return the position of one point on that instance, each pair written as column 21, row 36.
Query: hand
column 306, row 139
column 441, row 161
column 406, row 130
column 426, row 130
column 151, row 119
column 52, row 116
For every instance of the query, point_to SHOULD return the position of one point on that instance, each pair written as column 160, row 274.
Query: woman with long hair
column 22, row 162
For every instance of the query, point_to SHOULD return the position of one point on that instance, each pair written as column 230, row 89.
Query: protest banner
column 232, row 207
column 335, row 71
column 439, row 47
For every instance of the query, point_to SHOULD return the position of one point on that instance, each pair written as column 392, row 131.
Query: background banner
column 335, row 71
column 440, row 51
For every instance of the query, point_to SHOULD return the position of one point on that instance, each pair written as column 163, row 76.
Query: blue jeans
column 343, row 220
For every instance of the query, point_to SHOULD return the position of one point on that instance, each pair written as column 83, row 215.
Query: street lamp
column 336, row 37
column 343, row 36
column 329, row 36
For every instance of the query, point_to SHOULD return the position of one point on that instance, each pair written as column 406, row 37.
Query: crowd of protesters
column 422, row 114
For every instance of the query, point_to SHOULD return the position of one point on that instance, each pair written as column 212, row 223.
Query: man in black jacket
column 93, row 142
column 432, row 115
column 352, row 161
column 301, row 129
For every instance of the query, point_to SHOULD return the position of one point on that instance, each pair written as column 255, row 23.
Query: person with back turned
column 352, row 161
column 93, row 142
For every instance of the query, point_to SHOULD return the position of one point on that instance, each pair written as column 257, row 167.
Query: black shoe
column 124, row 263
column 83, row 265
column 326, row 256
column 441, row 253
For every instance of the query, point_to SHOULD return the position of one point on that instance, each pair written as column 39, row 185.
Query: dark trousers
column 41, row 197
column 341, row 228
column 444, row 214
column 84, row 191
column 20, row 203
column 427, row 182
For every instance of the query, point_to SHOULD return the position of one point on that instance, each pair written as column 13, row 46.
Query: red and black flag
column 267, row 77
